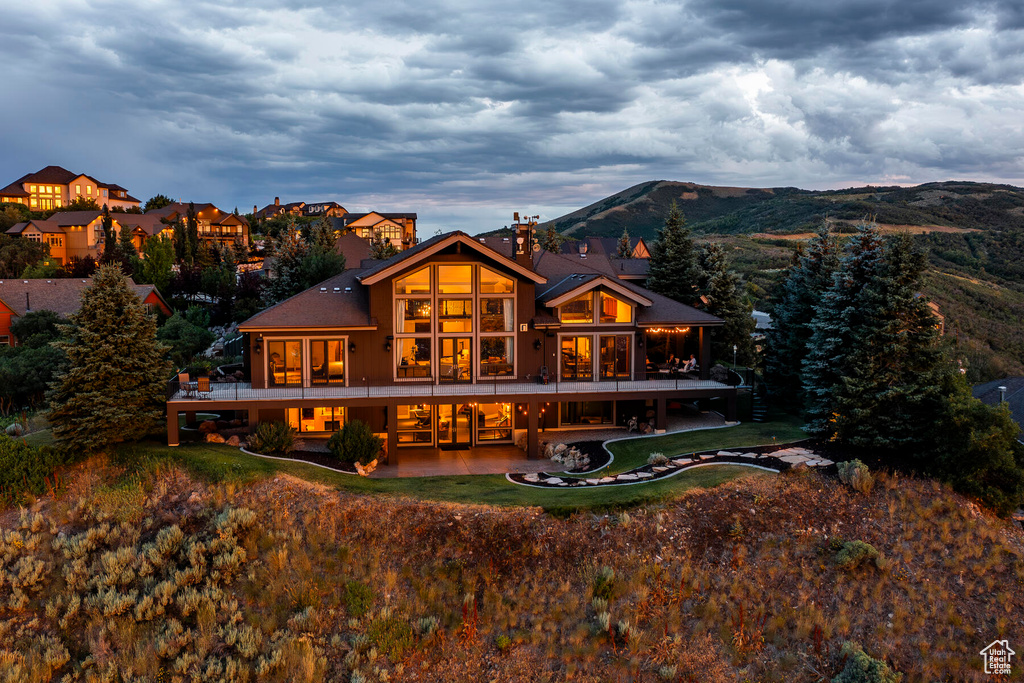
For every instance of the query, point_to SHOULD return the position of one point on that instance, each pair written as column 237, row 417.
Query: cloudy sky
column 464, row 111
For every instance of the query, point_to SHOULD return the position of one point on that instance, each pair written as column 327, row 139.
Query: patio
column 434, row 462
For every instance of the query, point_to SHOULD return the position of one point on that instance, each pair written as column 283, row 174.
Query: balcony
column 526, row 385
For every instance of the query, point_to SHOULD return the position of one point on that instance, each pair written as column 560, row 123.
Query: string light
column 659, row 330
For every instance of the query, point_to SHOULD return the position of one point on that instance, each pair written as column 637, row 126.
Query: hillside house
column 54, row 187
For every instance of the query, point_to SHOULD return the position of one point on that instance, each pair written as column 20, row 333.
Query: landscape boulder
column 233, row 440
column 214, row 437
column 207, row 426
column 15, row 429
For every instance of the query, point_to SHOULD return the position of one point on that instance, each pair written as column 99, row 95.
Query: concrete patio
column 434, row 462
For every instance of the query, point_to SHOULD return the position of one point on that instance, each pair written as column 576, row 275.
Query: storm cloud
column 466, row 111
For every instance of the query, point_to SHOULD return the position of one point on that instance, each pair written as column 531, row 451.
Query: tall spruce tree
column 624, row 249
column 113, row 390
column 893, row 384
column 674, row 271
column 192, row 233
column 109, row 237
column 835, row 328
column 806, row 281
column 721, row 287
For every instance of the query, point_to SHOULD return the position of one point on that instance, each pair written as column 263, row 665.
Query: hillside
column 161, row 575
column 783, row 210
column 973, row 233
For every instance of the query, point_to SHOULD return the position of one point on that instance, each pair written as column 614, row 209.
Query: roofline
column 291, row 328
column 689, row 323
column 441, row 244
column 591, row 284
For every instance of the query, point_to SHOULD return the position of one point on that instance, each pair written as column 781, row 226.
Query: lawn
column 215, row 462
column 632, row 453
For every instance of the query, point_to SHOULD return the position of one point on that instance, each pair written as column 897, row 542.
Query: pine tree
column 551, row 240
column 192, row 233
column 624, row 249
column 381, row 248
column 674, row 271
column 109, row 238
column 893, row 385
column 807, row 279
column 114, row 388
column 835, row 326
column 721, row 287
column 125, row 243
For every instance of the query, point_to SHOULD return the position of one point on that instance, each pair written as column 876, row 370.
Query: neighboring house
column 606, row 249
column 329, row 209
column 77, row 234
column 1009, row 389
column 54, row 187
column 454, row 344
column 397, row 228
column 63, row 296
column 215, row 226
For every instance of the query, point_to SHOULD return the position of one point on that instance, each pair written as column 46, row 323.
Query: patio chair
column 185, row 385
column 203, row 387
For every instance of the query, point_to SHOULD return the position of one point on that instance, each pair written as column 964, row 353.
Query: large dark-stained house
column 461, row 342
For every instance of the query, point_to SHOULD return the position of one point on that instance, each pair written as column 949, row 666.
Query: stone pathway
column 764, row 457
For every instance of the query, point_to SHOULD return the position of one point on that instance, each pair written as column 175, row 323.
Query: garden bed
column 595, row 450
column 774, row 458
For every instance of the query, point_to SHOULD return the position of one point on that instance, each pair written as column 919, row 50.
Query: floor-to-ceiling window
column 327, row 361
column 615, row 357
column 577, row 358
column 284, row 362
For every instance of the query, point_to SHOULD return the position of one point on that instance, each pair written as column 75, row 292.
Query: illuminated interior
column 327, row 358
column 415, row 425
column 416, row 283
column 615, row 310
column 579, row 310
column 577, row 355
column 318, row 419
column 284, row 361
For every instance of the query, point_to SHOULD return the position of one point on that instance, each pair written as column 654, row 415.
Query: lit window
column 494, row 283
column 579, row 310
column 78, row 189
column 33, row 201
column 455, row 315
column 31, row 188
column 577, row 358
column 417, row 283
column 318, row 419
column 413, row 356
column 455, row 279
column 614, row 310
column 496, row 314
column 327, row 361
column 413, row 315
column 88, row 189
column 415, row 424
column 494, row 422
column 285, row 362
column 496, row 355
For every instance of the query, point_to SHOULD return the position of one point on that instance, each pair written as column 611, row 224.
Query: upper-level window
column 579, row 310
column 455, row 279
column 416, row 283
column 494, row 283
column 391, row 232
column 615, row 310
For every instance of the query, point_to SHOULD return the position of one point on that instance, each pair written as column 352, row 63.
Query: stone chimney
column 254, row 209
column 277, row 201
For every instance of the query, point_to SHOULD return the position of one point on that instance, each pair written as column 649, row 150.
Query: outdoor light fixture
column 387, row 344
column 351, row 347
column 259, row 345
column 536, row 344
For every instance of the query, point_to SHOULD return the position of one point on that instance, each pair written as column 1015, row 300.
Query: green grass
column 214, row 462
column 633, row 453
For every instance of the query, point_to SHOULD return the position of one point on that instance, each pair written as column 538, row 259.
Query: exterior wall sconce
column 259, row 345
column 536, row 344
column 351, row 347
column 387, row 344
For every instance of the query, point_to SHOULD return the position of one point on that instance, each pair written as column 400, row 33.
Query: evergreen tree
column 624, row 249
column 381, row 248
column 551, row 240
column 192, row 233
column 837, row 322
column 674, row 271
column 721, row 287
column 180, row 240
column 805, row 282
column 125, row 244
column 157, row 202
column 113, row 390
column 109, row 238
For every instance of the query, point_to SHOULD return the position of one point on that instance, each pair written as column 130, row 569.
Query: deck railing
column 483, row 386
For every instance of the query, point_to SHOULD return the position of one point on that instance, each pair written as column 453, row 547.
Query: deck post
column 172, row 425
column 730, row 406
column 705, row 353
column 661, row 413
column 392, row 458
column 533, row 430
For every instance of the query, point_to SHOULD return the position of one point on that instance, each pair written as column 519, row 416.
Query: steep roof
column 327, row 304
column 354, row 248
column 68, row 218
column 51, row 174
column 63, row 296
column 39, row 224
column 204, row 211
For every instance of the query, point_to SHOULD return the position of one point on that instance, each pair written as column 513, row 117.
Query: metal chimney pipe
column 1002, row 394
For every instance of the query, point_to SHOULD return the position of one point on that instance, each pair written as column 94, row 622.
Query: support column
column 392, row 421
column 254, row 415
column 190, row 416
column 533, row 430
column 730, row 406
column 661, row 413
column 172, row 425
column 705, row 353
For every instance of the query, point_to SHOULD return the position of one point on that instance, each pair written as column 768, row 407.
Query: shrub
column 657, row 459
column 355, row 442
column 272, row 437
column 604, row 583
column 863, row 668
column 503, row 642
column 390, row 635
column 25, row 470
column 856, row 475
column 358, row 598
column 854, row 553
